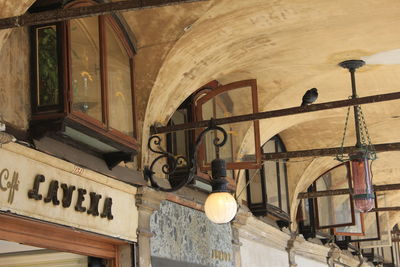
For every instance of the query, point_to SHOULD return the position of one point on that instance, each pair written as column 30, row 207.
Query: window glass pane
column 212, row 110
column 370, row 227
column 271, row 183
column 282, row 176
column 255, row 186
column 384, row 229
column 119, row 84
column 269, row 147
column 179, row 139
column 85, row 67
column 47, row 69
column 334, row 210
column 240, row 135
column 271, row 175
column 305, row 212
column 352, row 230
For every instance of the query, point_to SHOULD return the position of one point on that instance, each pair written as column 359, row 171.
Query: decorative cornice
column 311, row 250
column 251, row 228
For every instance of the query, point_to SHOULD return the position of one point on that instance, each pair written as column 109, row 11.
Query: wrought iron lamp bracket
column 173, row 161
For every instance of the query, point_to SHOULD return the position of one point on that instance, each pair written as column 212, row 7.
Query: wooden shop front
column 48, row 203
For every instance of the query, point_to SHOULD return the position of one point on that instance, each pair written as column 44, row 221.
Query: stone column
column 290, row 248
column 236, row 246
column 240, row 220
column 147, row 201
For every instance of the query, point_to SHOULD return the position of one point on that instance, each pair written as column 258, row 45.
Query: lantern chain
column 365, row 137
column 341, row 157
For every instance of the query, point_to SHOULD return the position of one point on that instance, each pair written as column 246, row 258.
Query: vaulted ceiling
column 289, row 47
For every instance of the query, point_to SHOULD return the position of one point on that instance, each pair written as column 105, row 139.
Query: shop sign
column 37, row 189
column 9, row 185
column 68, row 190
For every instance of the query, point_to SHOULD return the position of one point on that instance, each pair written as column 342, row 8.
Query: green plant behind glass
column 48, row 66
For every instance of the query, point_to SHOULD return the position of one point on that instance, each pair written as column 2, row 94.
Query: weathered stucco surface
column 156, row 31
column 14, row 79
column 9, row 8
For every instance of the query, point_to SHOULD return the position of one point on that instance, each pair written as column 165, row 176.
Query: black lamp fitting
column 218, row 171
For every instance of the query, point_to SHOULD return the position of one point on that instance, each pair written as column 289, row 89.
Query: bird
column 309, row 97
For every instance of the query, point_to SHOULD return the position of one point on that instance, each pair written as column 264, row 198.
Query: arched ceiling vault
column 289, row 47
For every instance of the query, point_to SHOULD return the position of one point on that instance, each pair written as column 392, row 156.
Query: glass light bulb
column 220, row 207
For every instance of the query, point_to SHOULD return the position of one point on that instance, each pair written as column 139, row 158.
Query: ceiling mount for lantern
column 352, row 64
column 360, row 168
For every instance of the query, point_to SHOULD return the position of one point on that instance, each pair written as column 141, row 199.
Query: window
column 182, row 142
column 337, row 210
column 267, row 192
column 331, row 214
column 214, row 100
column 83, row 83
column 234, row 99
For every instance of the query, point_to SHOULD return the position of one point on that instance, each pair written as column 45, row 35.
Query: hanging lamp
column 363, row 191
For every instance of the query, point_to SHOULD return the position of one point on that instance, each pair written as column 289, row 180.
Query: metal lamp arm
column 173, row 161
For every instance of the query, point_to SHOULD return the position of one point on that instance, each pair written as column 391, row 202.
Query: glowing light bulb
column 220, row 207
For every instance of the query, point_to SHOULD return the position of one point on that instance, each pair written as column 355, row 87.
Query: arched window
column 334, row 214
column 83, row 83
column 267, row 193
column 213, row 100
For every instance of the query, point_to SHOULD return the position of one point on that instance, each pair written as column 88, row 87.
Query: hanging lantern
column 363, row 191
column 220, row 205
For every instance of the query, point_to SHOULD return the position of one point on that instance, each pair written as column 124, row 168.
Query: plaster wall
column 256, row 254
column 14, row 79
column 9, row 8
column 305, row 262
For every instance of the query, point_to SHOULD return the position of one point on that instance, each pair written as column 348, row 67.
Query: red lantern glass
column 362, row 183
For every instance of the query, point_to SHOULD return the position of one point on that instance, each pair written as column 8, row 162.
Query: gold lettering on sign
column 220, row 255
column 10, row 185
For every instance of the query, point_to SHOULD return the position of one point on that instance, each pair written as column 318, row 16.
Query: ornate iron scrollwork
column 173, row 161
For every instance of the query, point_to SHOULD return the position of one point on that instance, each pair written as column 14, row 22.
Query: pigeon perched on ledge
column 309, row 97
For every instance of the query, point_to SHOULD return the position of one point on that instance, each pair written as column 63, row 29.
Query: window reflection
column 119, row 84
column 47, row 66
column 334, row 210
column 241, row 137
column 85, row 67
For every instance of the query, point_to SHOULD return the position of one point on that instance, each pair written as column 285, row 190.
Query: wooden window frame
column 32, row 232
column 189, row 106
column 349, row 234
column 378, row 228
column 63, row 111
column 199, row 116
column 353, row 220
